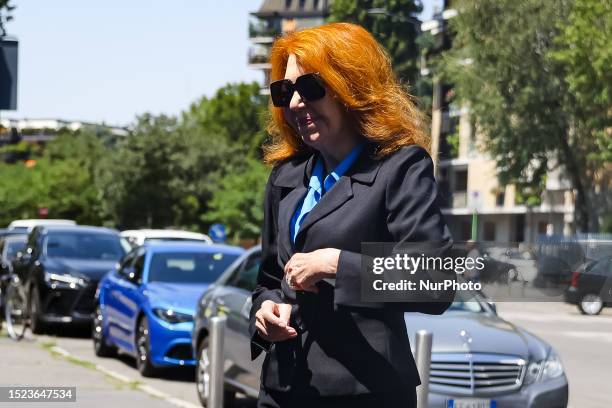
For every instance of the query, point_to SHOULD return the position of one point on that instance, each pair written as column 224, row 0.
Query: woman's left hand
column 304, row 270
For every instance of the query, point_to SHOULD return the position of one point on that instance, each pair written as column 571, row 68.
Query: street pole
column 217, row 335
column 424, row 340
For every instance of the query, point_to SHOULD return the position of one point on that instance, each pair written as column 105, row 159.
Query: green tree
column 584, row 52
column 17, row 200
column 59, row 178
column 237, row 202
column 502, row 67
column 161, row 175
column 393, row 24
column 235, row 113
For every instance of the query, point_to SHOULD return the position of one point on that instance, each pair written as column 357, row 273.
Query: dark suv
column 61, row 267
column 591, row 286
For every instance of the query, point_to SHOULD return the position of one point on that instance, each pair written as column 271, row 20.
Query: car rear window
column 84, row 245
column 186, row 267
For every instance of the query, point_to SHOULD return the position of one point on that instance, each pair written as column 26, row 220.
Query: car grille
column 475, row 373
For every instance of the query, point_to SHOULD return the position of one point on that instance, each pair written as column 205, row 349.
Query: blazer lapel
column 294, row 178
column 286, row 209
column 364, row 170
column 333, row 199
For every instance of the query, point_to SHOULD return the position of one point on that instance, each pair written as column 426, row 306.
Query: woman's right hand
column 272, row 321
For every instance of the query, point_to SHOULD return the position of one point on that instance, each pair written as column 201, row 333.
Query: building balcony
column 259, row 57
column 262, row 32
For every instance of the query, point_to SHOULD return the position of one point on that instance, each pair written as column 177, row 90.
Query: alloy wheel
column 591, row 304
column 203, row 375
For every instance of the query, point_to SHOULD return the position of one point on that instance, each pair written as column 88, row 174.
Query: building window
column 489, row 231
column 465, row 232
column 445, row 195
column 461, row 179
column 302, row 3
column 315, row 4
column 287, row 4
column 542, row 227
column 499, row 198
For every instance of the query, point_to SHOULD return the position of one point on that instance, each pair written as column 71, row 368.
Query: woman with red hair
column 350, row 165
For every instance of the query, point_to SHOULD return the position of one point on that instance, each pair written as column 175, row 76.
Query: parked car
column 61, row 267
column 478, row 358
column 591, row 286
column 10, row 245
column 26, row 226
column 139, row 237
column 145, row 307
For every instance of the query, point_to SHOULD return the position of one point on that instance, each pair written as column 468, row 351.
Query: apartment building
column 274, row 18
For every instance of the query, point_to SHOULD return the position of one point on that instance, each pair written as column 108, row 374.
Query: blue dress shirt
column 318, row 186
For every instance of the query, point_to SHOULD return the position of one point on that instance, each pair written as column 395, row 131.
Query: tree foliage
column 168, row 170
column 237, row 201
column 236, row 113
column 504, row 67
column 60, row 179
column 584, row 52
column 187, row 172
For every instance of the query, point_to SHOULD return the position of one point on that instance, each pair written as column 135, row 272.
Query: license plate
column 471, row 403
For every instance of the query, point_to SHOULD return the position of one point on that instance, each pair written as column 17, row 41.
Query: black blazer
column 345, row 346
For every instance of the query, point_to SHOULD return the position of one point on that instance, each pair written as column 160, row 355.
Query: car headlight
column 172, row 316
column 64, row 280
column 544, row 370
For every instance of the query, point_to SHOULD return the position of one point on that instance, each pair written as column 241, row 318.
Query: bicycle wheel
column 15, row 311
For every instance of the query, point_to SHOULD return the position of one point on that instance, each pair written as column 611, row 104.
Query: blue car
column 145, row 307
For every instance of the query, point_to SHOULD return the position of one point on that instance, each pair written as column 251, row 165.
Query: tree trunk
column 582, row 209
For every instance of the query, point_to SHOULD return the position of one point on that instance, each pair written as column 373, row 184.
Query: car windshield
column 84, row 245
column 189, row 267
column 12, row 247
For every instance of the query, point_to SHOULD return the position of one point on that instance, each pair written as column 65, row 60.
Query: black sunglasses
column 309, row 86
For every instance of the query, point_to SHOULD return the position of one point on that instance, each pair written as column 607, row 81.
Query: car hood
column 93, row 269
column 180, row 296
column 456, row 332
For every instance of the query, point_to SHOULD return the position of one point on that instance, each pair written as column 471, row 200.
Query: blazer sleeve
column 412, row 217
column 270, row 275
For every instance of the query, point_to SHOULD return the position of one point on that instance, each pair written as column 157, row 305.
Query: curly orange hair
column 358, row 72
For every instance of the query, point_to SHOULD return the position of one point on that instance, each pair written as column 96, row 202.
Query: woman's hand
column 272, row 321
column 304, row 270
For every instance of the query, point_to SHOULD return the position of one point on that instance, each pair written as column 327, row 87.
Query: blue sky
column 109, row 61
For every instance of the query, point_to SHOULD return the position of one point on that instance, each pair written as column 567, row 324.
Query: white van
column 139, row 237
column 28, row 225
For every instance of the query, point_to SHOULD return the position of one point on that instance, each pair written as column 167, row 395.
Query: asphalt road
column 66, row 358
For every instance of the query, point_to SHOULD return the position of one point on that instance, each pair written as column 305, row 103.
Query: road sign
column 217, row 233
column 475, row 200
